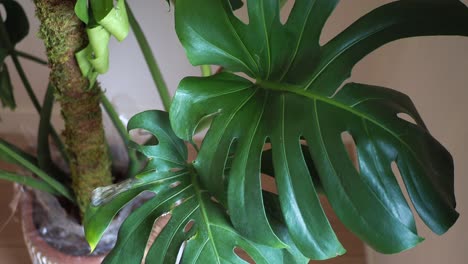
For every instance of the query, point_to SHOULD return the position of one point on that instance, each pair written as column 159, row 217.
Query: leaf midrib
column 317, row 97
column 206, row 219
column 299, row 41
column 342, row 51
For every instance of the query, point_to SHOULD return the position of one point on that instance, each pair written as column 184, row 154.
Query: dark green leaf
column 28, row 181
column 3, row 55
column 16, row 23
column 170, row 152
column 12, row 154
column 6, row 89
column 296, row 97
column 43, row 150
column 211, row 239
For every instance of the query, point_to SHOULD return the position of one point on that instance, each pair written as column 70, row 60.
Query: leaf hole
column 204, row 125
column 286, row 10
column 174, row 184
column 178, row 202
column 344, row 14
column 242, row 14
column 266, row 146
column 310, row 165
column 407, row 118
column 143, row 137
column 214, row 200
column 397, row 174
column 181, row 253
column 158, row 226
column 3, row 12
column 243, row 255
column 269, row 183
column 351, row 149
column 189, row 226
column 229, row 158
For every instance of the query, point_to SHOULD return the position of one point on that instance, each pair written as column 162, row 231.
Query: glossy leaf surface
column 295, row 98
column 174, row 183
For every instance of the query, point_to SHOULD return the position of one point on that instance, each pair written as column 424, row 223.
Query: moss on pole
column 64, row 34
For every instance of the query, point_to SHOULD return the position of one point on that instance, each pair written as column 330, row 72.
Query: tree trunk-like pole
column 64, row 34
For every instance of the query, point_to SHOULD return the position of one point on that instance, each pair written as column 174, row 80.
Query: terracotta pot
column 39, row 250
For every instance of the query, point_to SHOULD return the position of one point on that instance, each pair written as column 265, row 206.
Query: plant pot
column 39, row 250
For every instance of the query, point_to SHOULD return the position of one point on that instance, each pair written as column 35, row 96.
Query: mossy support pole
column 64, row 34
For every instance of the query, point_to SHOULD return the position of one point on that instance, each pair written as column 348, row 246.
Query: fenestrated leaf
column 294, row 98
column 211, row 239
column 16, row 22
column 264, row 48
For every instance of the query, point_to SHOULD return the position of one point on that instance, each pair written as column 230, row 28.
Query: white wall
column 433, row 71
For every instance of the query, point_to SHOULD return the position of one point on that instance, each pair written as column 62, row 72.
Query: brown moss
column 64, row 34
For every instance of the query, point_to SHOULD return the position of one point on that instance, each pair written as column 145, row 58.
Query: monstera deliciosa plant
column 294, row 102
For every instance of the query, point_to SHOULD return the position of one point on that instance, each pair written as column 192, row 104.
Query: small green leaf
column 211, row 238
column 170, row 151
column 6, row 89
column 16, row 23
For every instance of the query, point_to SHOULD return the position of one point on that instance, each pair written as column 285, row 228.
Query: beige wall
column 433, row 71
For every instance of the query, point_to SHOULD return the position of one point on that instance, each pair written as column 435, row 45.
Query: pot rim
column 37, row 245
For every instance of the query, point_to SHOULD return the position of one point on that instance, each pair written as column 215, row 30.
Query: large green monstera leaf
column 211, row 238
column 295, row 100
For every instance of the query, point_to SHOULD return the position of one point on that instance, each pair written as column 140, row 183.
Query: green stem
column 28, row 181
column 150, row 60
column 37, row 106
column 26, row 83
column 206, row 70
column 30, row 57
column 24, row 162
column 43, row 150
column 133, row 162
